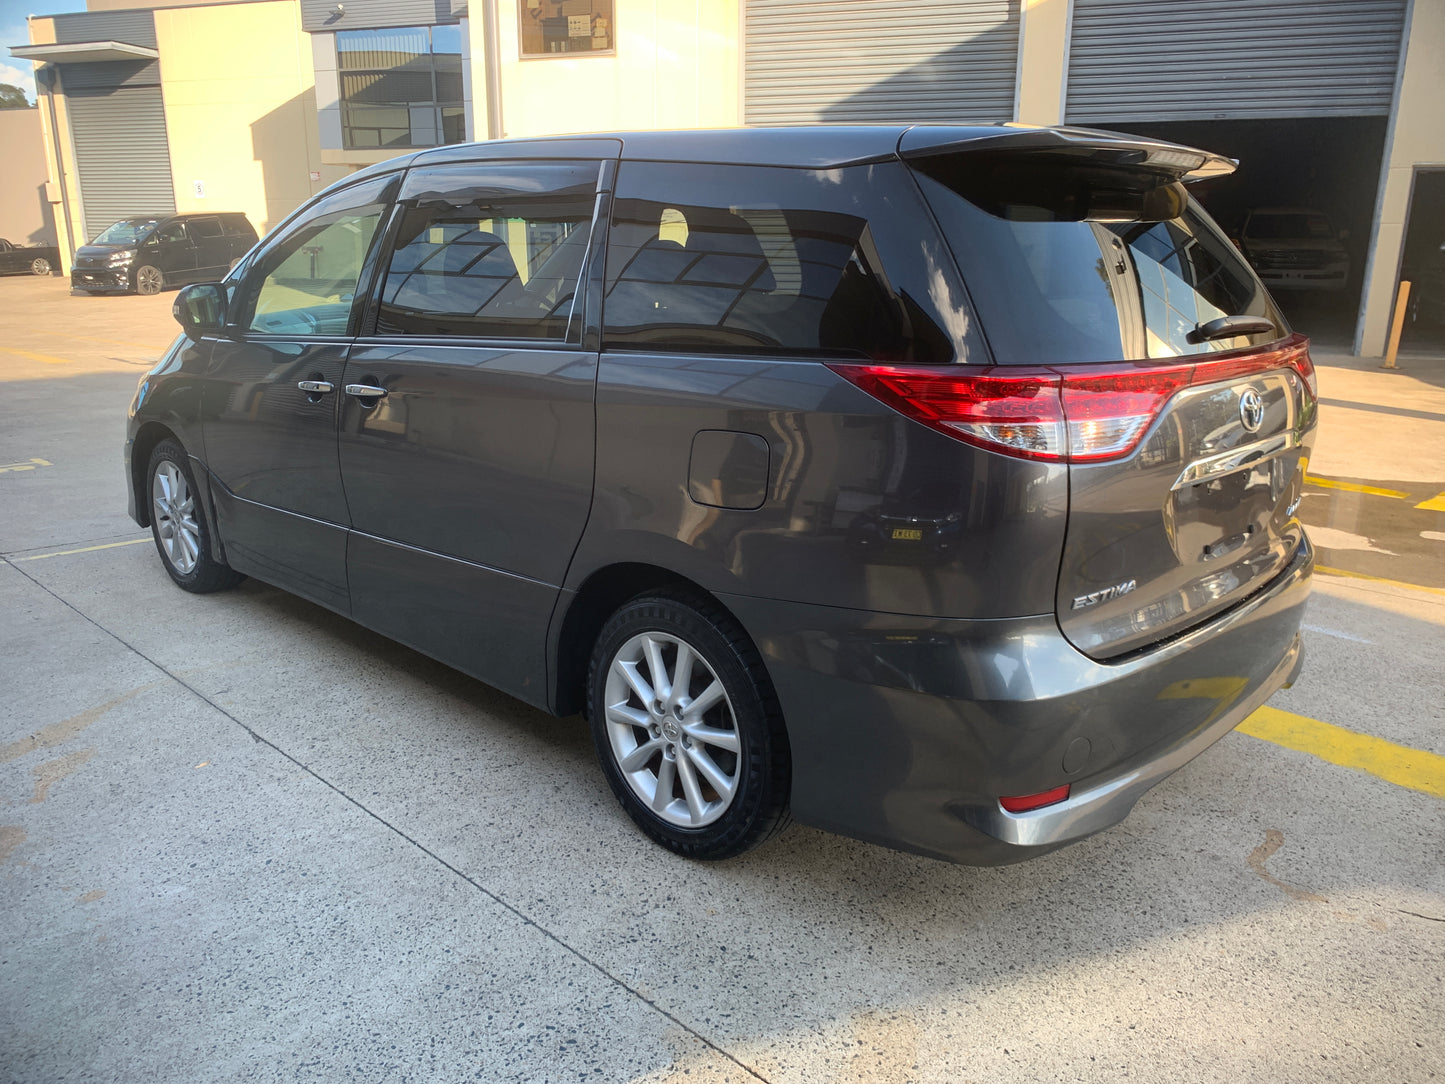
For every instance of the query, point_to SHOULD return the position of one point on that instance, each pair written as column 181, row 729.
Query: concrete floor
column 244, row 839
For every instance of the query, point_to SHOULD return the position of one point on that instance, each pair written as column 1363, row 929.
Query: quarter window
column 797, row 273
column 489, row 250
column 305, row 283
column 401, row 87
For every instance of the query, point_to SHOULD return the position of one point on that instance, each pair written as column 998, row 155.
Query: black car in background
column 145, row 255
column 27, row 259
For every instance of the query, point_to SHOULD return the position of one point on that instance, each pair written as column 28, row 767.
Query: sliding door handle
column 366, row 391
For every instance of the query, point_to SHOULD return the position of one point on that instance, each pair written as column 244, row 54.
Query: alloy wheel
column 173, row 508
column 672, row 731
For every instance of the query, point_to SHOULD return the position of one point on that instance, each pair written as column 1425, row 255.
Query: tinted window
column 742, row 259
column 1072, row 263
column 491, row 250
column 238, row 225
column 305, row 282
column 205, row 227
column 171, row 231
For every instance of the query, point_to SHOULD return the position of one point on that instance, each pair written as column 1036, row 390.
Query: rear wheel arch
column 597, row 599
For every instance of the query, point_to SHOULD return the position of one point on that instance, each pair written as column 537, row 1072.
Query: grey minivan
column 932, row 485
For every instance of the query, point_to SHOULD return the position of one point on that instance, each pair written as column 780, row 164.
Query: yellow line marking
column 29, row 464
column 1352, row 487
column 1398, row 764
column 49, row 359
column 1325, row 570
column 83, row 549
column 1434, row 504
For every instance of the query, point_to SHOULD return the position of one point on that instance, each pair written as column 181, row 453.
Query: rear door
column 466, row 439
column 1188, row 409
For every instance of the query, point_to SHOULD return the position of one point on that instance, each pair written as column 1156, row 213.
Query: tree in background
column 12, row 97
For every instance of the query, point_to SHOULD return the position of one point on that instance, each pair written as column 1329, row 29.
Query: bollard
column 1397, row 325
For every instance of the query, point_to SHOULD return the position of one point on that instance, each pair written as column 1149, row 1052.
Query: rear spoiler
column 1106, row 148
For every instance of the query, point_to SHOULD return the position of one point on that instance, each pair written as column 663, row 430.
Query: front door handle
column 316, row 387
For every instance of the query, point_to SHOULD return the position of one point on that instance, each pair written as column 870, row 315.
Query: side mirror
column 200, row 309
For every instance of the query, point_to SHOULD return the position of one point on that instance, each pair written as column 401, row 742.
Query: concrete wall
column 1043, row 61
column 25, row 215
column 241, row 109
column 1417, row 138
column 676, row 66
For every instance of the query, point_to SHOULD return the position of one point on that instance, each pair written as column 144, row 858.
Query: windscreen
column 1072, row 261
column 127, row 231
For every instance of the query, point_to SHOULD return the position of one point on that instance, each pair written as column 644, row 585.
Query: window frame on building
column 445, row 110
column 533, row 15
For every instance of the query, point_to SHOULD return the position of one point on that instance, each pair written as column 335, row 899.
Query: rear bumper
column 905, row 730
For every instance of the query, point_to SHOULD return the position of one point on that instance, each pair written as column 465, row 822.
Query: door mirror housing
column 200, row 309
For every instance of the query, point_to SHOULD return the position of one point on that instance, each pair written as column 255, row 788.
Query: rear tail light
column 1068, row 413
column 1022, row 803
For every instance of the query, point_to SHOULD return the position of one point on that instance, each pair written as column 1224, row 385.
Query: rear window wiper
column 1224, row 327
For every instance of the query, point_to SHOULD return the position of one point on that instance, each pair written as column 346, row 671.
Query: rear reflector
column 1022, row 803
column 1068, row 413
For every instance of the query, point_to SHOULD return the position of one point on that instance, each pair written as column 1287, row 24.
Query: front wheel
column 687, row 727
column 182, row 536
column 40, row 266
column 148, row 280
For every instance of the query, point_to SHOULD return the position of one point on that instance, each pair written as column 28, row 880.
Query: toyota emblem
column 1251, row 410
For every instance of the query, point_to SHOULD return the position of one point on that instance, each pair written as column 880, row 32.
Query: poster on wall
column 551, row 28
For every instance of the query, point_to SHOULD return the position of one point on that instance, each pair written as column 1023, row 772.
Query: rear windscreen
column 1074, row 262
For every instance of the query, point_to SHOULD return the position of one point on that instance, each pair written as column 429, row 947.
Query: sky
column 21, row 73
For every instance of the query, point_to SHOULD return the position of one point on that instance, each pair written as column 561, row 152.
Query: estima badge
column 1096, row 597
column 1251, row 410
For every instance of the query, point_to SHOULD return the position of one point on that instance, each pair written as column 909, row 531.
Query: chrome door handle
column 316, row 387
column 366, row 391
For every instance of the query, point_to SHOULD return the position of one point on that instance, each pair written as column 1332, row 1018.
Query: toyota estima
column 935, row 486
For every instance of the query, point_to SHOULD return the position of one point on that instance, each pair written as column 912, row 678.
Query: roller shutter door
column 1154, row 60
column 879, row 61
column 121, row 153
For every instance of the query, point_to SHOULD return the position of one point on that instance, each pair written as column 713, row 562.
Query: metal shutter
column 879, row 61
column 121, row 153
column 1150, row 60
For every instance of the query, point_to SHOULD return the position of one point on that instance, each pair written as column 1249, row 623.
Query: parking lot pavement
column 242, row 838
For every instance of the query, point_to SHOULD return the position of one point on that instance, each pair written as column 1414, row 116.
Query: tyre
column 687, row 726
column 182, row 536
column 148, row 280
column 40, row 266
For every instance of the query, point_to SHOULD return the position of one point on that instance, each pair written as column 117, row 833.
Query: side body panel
column 468, row 487
column 863, row 508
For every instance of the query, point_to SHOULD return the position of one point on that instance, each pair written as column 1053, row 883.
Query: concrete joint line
column 498, row 900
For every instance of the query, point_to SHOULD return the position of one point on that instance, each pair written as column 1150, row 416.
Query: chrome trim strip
column 1202, row 470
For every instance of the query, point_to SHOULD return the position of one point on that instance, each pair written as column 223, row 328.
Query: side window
column 745, row 260
column 489, row 250
column 172, row 231
column 205, row 227
column 305, row 282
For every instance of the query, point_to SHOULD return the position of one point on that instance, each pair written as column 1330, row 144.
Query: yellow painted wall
column 240, row 102
column 1418, row 139
column 1043, row 56
column 676, row 66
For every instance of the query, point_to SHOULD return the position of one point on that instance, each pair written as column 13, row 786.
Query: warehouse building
column 1330, row 106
